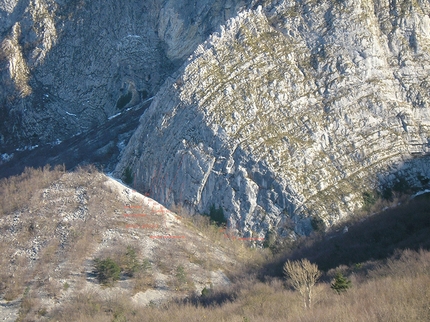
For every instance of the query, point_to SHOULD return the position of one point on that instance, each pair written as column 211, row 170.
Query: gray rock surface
column 290, row 112
column 67, row 66
column 286, row 113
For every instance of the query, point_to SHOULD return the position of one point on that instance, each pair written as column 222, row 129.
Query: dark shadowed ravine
column 100, row 146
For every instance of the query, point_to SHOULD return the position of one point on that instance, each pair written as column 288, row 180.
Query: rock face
column 290, row 113
column 67, row 66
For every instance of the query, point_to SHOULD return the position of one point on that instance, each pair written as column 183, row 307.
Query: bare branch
column 303, row 275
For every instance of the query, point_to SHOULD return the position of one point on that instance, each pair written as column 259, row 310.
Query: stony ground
column 50, row 245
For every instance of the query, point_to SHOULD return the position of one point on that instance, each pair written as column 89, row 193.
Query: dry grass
column 247, row 256
column 376, row 236
column 396, row 291
column 16, row 195
column 50, row 221
column 393, row 289
column 137, row 269
column 16, row 192
column 143, row 281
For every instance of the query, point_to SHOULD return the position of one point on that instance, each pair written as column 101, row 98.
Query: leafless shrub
column 385, row 295
column 30, row 304
column 143, row 280
column 303, row 276
column 16, row 191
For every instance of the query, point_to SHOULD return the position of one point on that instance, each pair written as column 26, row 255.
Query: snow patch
column 27, row 148
column 6, row 157
column 121, row 145
column 56, row 142
column 113, row 116
column 419, row 193
column 149, row 99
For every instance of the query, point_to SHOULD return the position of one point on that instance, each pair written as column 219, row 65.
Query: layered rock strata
column 290, row 113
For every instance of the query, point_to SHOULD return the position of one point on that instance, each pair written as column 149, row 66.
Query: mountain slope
column 290, row 113
column 55, row 225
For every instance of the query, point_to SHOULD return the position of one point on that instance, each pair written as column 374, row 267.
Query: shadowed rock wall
column 290, row 113
column 67, row 66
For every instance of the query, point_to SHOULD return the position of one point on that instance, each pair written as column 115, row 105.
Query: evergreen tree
column 217, row 215
column 107, row 270
column 341, row 283
column 128, row 176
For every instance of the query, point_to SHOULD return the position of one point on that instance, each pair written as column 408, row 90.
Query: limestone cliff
column 66, row 66
column 290, row 112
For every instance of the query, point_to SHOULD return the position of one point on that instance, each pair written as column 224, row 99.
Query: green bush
column 182, row 282
column 270, row 239
column 131, row 263
column 341, row 283
column 401, row 185
column 128, row 176
column 124, row 100
column 318, row 224
column 217, row 215
column 206, row 292
column 181, row 275
column 387, row 193
column 107, row 270
column 369, row 199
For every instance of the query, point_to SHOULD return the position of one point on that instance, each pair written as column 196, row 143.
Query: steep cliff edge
column 67, row 66
column 290, row 113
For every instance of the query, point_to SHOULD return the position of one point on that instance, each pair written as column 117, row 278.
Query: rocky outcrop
column 67, row 66
column 290, row 112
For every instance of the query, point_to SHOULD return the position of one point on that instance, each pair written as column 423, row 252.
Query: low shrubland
column 396, row 289
column 382, row 279
column 376, row 270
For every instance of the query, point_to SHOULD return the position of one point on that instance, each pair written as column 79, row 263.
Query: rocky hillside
column 291, row 113
column 54, row 226
column 80, row 246
column 283, row 113
column 66, row 66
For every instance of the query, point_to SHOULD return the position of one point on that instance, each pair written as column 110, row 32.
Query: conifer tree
column 341, row 283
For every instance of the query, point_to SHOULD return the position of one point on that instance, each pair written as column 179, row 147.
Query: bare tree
column 303, row 275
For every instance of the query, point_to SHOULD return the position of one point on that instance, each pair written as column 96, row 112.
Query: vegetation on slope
column 63, row 233
column 383, row 259
column 397, row 289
